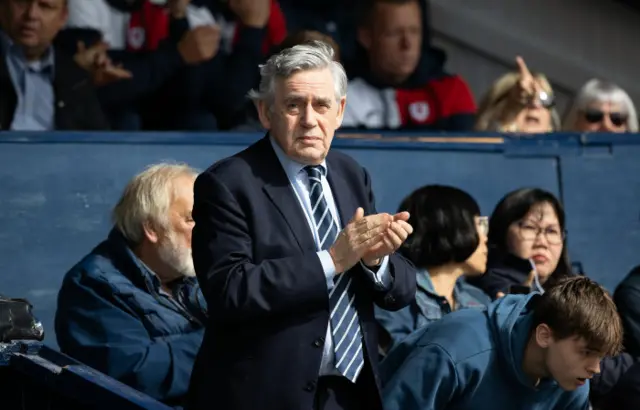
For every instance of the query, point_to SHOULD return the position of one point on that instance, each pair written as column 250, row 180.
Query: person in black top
column 526, row 244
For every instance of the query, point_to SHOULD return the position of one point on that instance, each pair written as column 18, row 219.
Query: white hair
column 147, row 198
column 601, row 91
column 313, row 55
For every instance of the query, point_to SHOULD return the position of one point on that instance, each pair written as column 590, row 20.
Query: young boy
column 525, row 352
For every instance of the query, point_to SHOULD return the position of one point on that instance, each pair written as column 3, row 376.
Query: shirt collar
column 291, row 167
column 46, row 63
column 459, row 293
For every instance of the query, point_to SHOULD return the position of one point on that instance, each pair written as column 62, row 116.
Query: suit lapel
column 345, row 202
column 279, row 190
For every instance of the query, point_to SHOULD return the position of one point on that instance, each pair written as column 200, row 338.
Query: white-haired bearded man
column 132, row 307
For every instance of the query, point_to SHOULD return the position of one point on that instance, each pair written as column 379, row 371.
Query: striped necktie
column 345, row 326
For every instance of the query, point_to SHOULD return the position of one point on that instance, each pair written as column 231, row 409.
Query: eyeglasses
column 545, row 99
column 596, row 116
column 483, row 225
column 529, row 232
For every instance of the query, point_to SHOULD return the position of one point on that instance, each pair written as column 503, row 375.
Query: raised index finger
column 522, row 68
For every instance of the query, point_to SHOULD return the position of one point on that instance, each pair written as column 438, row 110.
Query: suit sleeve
column 402, row 288
column 236, row 287
column 95, row 325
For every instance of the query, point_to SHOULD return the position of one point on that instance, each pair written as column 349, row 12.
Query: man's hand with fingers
column 396, row 234
column 357, row 238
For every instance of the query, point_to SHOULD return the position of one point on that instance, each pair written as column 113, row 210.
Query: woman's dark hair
column 444, row 228
column 515, row 206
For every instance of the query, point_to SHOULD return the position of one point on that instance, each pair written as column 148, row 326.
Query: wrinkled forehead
column 182, row 197
column 306, row 84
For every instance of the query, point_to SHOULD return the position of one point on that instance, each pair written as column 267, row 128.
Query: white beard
column 176, row 256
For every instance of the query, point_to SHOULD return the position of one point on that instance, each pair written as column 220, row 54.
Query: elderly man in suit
column 288, row 262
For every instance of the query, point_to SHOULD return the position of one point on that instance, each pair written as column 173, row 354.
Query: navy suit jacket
column 256, row 262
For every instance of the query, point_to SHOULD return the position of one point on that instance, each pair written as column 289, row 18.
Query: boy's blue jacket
column 472, row 360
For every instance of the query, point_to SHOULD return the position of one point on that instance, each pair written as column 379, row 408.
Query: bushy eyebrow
column 299, row 98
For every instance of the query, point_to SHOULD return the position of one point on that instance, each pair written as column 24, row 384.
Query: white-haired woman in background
column 601, row 106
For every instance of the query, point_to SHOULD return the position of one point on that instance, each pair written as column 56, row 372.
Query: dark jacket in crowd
column 76, row 104
column 113, row 316
column 150, row 70
column 626, row 393
column 505, row 270
column 627, row 298
column 605, row 385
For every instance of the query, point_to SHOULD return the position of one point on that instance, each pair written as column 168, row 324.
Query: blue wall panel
column 602, row 199
column 56, row 192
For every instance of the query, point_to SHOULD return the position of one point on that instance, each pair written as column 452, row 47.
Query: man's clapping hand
column 369, row 239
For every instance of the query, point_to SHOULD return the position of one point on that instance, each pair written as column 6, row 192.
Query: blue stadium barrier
column 35, row 377
column 58, row 189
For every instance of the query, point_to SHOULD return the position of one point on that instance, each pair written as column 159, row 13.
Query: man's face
column 393, row 40
column 33, row 24
column 174, row 245
column 570, row 362
column 304, row 115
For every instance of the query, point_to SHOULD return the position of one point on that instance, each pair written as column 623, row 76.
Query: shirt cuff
column 328, row 267
column 382, row 278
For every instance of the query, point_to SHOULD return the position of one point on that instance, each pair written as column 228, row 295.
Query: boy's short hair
column 578, row 306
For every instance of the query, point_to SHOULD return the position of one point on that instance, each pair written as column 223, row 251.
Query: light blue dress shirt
column 33, row 82
column 300, row 183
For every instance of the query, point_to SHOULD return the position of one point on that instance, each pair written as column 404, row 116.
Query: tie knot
column 314, row 171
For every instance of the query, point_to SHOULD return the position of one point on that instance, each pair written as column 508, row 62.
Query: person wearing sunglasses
column 601, row 106
column 448, row 244
column 519, row 102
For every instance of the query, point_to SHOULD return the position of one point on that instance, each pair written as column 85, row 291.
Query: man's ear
column 364, row 37
column 543, row 335
column 264, row 113
column 150, row 232
column 341, row 105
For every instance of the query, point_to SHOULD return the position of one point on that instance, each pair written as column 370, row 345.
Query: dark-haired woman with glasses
column 601, row 106
column 448, row 243
column 526, row 244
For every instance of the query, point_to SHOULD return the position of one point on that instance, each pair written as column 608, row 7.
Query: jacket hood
column 511, row 320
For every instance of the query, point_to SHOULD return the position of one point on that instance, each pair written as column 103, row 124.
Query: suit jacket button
column 311, row 386
column 319, row 342
column 389, row 299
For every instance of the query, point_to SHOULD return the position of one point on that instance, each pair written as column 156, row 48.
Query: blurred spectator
column 305, row 36
column 132, row 308
column 519, row 102
column 217, row 89
column 449, row 241
column 601, row 106
column 526, row 244
column 627, row 297
column 152, row 42
column 400, row 85
column 42, row 88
